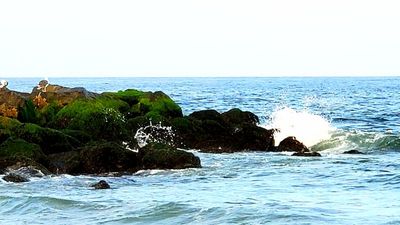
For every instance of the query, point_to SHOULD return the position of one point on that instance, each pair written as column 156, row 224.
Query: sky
column 199, row 38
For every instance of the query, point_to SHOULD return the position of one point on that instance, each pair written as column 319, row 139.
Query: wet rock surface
column 101, row 185
column 15, row 178
column 291, row 144
column 353, row 152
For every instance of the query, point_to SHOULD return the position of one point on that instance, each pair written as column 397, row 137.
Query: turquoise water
column 338, row 114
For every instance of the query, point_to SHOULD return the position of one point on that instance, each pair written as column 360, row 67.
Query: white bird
column 3, row 84
column 43, row 84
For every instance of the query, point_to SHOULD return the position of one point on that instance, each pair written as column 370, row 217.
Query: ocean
column 329, row 114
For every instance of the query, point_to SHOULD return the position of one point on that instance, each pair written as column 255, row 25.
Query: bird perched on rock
column 3, row 84
column 42, row 86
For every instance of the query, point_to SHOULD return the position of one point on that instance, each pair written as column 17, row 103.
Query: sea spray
column 305, row 126
column 154, row 133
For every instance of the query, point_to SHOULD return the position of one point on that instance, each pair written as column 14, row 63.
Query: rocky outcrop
column 232, row 131
column 72, row 130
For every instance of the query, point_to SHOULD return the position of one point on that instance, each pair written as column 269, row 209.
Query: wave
column 364, row 141
column 319, row 134
column 305, row 126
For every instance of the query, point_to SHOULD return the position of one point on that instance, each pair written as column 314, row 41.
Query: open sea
column 330, row 115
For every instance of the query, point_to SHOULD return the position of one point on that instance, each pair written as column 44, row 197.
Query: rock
column 50, row 140
column 21, row 149
column 237, row 116
column 161, row 156
column 354, row 152
column 11, row 164
column 101, row 185
column 231, row 131
column 62, row 95
column 105, row 157
column 30, row 171
column 208, row 115
column 291, row 144
column 12, row 99
column 307, row 154
column 65, row 163
column 16, row 178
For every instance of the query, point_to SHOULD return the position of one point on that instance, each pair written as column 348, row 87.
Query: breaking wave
column 318, row 133
column 305, row 126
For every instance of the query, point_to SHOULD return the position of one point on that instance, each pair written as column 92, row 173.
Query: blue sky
column 199, row 38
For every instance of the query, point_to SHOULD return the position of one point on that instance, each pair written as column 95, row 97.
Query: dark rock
column 101, row 185
column 50, row 140
column 16, row 178
column 237, row 116
column 65, row 163
column 105, row 157
column 291, row 144
column 231, row 131
column 307, row 154
column 354, row 152
column 21, row 149
column 161, row 156
column 208, row 115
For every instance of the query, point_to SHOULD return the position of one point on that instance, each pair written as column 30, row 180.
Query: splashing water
column 154, row 133
column 305, row 126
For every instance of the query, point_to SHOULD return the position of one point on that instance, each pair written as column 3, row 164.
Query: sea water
column 330, row 115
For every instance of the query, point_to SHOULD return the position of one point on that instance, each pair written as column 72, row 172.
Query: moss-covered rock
column 154, row 105
column 104, row 157
column 161, row 156
column 18, row 148
column 101, row 118
column 50, row 140
column 7, row 123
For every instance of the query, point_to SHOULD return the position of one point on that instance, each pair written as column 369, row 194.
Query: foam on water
column 342, row 140
column 305, row 126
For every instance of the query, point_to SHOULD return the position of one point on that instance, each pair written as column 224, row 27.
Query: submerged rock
column 353, row 152
column 101, row 185
column 307, row 154
column 16, row 178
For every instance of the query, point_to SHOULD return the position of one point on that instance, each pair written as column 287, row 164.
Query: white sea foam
column 154, row 133
column 305, row 126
